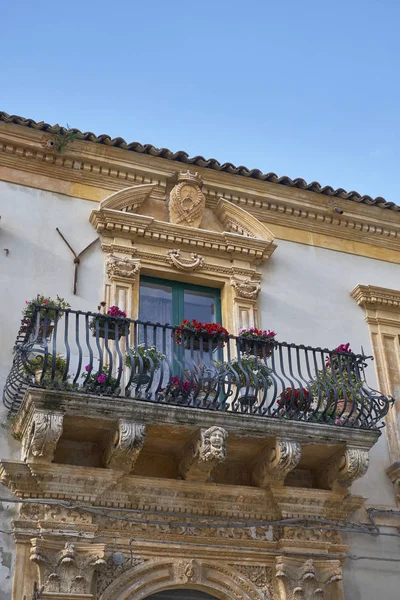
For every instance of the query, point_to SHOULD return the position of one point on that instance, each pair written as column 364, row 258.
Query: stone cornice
column 108, row 169
column 148, row 413
column 370, row 296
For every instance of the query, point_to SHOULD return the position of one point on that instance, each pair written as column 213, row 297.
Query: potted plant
column 294, row 400
column 100, row 381
column 338, row 386
column 196, row 335
column 249, row 374
column 113, row 317
column 40, row 369
column 176, row 391
column 51, row 312
column 204, row 380
column 144, row 361
column 256, row 341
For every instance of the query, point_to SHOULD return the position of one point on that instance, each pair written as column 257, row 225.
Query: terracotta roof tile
column 200, row 161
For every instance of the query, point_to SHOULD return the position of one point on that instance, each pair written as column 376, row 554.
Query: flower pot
column 206, row 399
column 254, row 347
column 193, row 341
column 141, row 379
column 111, row 331
column 344, row 408
column 247, row 396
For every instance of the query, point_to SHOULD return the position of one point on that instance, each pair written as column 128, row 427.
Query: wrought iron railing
column 116, row 357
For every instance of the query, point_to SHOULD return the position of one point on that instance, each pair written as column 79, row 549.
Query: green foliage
column 62, row 139
column 151, row 357
column 50, row 307
column 252, row 366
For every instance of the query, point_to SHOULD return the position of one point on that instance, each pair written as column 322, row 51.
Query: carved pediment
column 128, row 199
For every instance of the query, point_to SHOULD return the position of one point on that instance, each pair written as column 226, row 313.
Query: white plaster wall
column 38, row 262
column 305, row 298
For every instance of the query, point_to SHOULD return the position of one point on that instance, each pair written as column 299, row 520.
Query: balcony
column 108, row 389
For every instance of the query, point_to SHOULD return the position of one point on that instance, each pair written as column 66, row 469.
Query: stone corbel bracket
column 274, row 463
column 344, row 468
column 203, row 453
column 125, row 447
column 246, row 288
column 40, row 436
column 394, row 473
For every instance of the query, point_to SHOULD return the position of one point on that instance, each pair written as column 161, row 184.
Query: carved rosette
column 118, row 267
column 344, row 468
column 246, row 288
column 40, row 439
column 193, row 264
column 203, row 454
column 186, row 201
column 275, row 463
column 124, row 450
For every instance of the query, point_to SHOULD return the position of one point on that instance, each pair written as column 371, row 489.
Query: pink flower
column 175, row 380
column 101, row 378
column 87, row 368
column 44, row 301
column 186, row 386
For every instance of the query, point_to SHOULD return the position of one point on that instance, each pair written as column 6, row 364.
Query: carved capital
column 128, row 441
column 195, row 262
column 310, row 579
column 203, row 454
column 275, row 463
column 246, row 288
column 344, row 468
column 41, row 436
column 187, row 202
column 118, row 267
column 67, row 570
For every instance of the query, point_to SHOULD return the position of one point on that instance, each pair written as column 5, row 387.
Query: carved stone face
column 217, row 439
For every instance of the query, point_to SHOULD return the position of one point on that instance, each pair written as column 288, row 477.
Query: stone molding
column 203, row 453
column 128, row 199
column 158, row 574
column 371, row 296
column 123, row 451
column 41, row 434
column 95, row 168
column 274, row 463
column 344, row 468
column 246, row 288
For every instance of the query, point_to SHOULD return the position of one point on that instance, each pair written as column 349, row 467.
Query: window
column 169, row 302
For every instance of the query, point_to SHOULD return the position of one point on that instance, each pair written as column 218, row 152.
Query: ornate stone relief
column 203, row 454
column 187, row 571
column 196, row 261
column 275, row 463
column 260, row 576
column 344, row 468
column 309, row 580
column 122, row 267
column 128, row 441
column 68, row 570
column 41, row 436
column 246, row 288
column 116, row 565
column 187, row 202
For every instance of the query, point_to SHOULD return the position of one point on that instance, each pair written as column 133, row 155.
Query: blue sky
column 307, row 89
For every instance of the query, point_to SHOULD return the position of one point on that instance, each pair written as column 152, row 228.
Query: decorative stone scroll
column 195, row 263
column 246, row 288
column 344, row 468
column 126, row 446
column 41, row 436
column 203, row 454
column 187, row 202
column 122, row 267
column 275, row 463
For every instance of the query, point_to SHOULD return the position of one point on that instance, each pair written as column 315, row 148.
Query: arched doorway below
column 180, row 594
